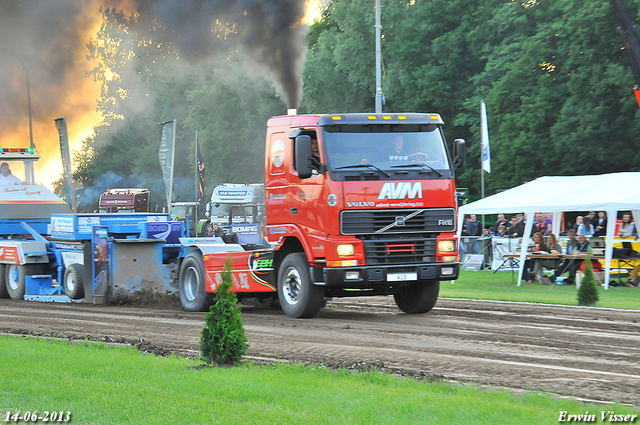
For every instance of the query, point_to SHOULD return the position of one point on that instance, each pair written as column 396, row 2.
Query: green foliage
column 118, row 385
column 588, row 292
column 502, row 286
column 554, row 76
column 222, row 339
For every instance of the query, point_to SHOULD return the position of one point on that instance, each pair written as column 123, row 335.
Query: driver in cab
column 6, row 178
column 399, row 152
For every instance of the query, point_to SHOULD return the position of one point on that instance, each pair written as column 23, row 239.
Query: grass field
column 120, row 385
column 501, row 286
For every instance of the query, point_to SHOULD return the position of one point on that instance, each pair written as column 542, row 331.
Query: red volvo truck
column 357, row 204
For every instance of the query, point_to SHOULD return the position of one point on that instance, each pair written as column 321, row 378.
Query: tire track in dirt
column 580, row 352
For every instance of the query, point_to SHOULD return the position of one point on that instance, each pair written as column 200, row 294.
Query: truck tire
column 193, row 291
column 298, row 296
column 418, row 297
column 3, row 283
column 72, row 281
column 15, row 278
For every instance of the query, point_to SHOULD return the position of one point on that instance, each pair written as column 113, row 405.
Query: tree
column 588, row 292
column 222, row 340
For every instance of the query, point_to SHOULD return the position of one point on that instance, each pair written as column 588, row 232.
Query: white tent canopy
column 607, row 192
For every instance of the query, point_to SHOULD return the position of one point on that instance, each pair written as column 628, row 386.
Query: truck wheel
column 298, row 296
column 15, row 278
column 72, row 281
column 193, row 291
column 3, row 283
column 418, row 297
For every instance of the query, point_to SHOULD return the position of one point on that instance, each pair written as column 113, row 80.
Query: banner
column 486, row 152
column 165, row 156
column 200, row 167
column 61, row 124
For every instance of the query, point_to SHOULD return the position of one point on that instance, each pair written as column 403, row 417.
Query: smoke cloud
column 270, row 30
column 49, row 38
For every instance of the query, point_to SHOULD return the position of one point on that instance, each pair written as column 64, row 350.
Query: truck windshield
column 354, row 145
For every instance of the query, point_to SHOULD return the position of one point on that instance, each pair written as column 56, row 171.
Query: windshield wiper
column 365, row 164
column 419, row 164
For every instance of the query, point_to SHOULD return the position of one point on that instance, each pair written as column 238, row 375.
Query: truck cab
column 125, row 200
column 22, row 197
column 372, row 208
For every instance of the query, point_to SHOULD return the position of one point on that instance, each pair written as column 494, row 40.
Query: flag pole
column 196, row 179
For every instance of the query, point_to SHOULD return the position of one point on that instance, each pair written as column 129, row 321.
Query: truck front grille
column 369, row 222
column 400, row 251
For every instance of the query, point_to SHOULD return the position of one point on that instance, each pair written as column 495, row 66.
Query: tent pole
column 525, row 244
column 608, row 246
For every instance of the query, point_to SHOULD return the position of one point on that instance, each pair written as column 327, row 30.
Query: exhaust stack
column 292, row 112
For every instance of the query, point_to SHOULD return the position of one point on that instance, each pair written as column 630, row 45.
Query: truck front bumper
column 368, row 276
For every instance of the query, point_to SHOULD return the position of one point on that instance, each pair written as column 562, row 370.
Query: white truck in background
column 239, row 209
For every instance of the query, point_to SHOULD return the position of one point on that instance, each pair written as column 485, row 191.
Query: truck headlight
column 346, row 250
column 446, row 246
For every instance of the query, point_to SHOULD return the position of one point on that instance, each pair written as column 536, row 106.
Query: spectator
column 534, row 267
column 517, row 227
column 6, row 178
column 585, row 227
column 502, row 221
column 472, row 227
column 552, row 263
column 546, row 224
column 600, row 224
column 571, row 265
column 579, row 221
column 502, row 230
column 627, row 227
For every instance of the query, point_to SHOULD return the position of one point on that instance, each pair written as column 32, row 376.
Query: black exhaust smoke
column 270, row 30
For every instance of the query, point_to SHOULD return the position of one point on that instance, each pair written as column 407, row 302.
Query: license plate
column 401, row 277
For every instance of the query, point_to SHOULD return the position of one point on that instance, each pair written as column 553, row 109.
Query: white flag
column 486, row 152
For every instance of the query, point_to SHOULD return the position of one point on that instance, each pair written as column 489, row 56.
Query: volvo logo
column 361, row 204
column 399, row 221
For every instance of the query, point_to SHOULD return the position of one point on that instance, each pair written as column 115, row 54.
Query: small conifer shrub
column 222, row 340
column 588, row 292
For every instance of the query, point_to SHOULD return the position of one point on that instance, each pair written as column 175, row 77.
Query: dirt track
column 581, row 352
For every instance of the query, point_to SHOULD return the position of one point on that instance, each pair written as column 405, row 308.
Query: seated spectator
column 552, row 263
column 571, row 265
column 533, row 268
column 627, row 227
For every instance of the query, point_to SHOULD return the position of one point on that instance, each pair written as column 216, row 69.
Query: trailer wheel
column 298, row 296
column 72, row 281
column 3, row 283
column 193, row 291
column 15, row 278
column 418, row 297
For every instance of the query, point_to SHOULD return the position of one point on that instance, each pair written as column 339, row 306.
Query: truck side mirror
column 459, row 153
column 302, row 156
column 207, row 209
